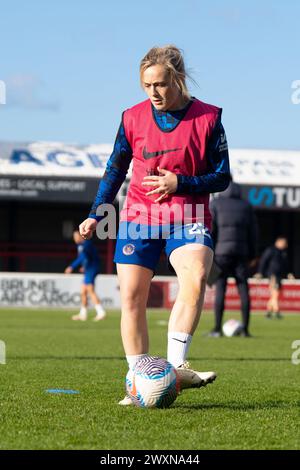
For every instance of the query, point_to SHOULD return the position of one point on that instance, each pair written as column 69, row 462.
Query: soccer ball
column 232, row 328
column 153, row 383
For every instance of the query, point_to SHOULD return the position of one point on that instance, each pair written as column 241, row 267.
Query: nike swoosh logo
column 179, row 340
column 148, row 155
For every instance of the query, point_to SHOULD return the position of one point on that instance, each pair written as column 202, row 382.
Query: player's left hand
column 68, row 270
column 165, row 183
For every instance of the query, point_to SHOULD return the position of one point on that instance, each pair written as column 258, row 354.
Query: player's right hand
column 87, row 228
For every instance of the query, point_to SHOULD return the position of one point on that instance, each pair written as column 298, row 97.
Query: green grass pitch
column 254, row 403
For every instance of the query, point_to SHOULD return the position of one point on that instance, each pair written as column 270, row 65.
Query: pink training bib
column 181, row 151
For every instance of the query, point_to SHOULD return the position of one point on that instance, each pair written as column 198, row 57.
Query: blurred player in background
column 234, row 231
column 89, row 261
column 179, row 151
column 274, row 265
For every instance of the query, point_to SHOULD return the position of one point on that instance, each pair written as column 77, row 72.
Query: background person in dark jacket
column 274, row 265
column 234, row 231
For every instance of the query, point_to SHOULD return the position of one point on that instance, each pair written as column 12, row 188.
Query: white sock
column 178, row 347
column 99, row 310
column 83, row 312
column 133, row 359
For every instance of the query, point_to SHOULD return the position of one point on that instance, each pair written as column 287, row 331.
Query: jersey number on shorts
column 198, row 229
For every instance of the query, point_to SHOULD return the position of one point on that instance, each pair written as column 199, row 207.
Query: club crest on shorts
column 128, row 249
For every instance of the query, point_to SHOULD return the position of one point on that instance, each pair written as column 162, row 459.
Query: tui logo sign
column 261, row 196
column 274, row 197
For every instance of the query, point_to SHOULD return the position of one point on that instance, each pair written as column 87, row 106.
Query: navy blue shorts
column 143, row 244
column 90, row 276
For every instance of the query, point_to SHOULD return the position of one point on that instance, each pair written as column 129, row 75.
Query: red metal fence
column 20, row 255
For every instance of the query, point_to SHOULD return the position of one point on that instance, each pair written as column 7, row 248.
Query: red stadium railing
column 18, row 256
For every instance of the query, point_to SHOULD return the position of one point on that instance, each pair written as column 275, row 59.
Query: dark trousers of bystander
column 237, row 267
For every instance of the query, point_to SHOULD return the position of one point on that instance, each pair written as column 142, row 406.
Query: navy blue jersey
column 274, row 262
column 87, row 256
column 216, row 179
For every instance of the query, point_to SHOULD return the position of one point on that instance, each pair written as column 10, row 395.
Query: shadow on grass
column 253, row 359
column 122, row 358
column 66, row 358
column 236, row 406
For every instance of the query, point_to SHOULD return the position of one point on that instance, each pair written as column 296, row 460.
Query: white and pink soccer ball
column 153, row 383
column 232, row 328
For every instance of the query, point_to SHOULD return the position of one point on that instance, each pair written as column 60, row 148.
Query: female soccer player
column 179, row 152
column 89, row 261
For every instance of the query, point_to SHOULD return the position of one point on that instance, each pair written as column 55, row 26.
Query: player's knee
column 197, row 276
column 132, row 300
column 193, row 287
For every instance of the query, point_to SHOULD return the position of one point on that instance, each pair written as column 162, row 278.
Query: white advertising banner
column 53, row 159
column 265, row 167
column 59, row 159
column 63, row 291
column 53, row 290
